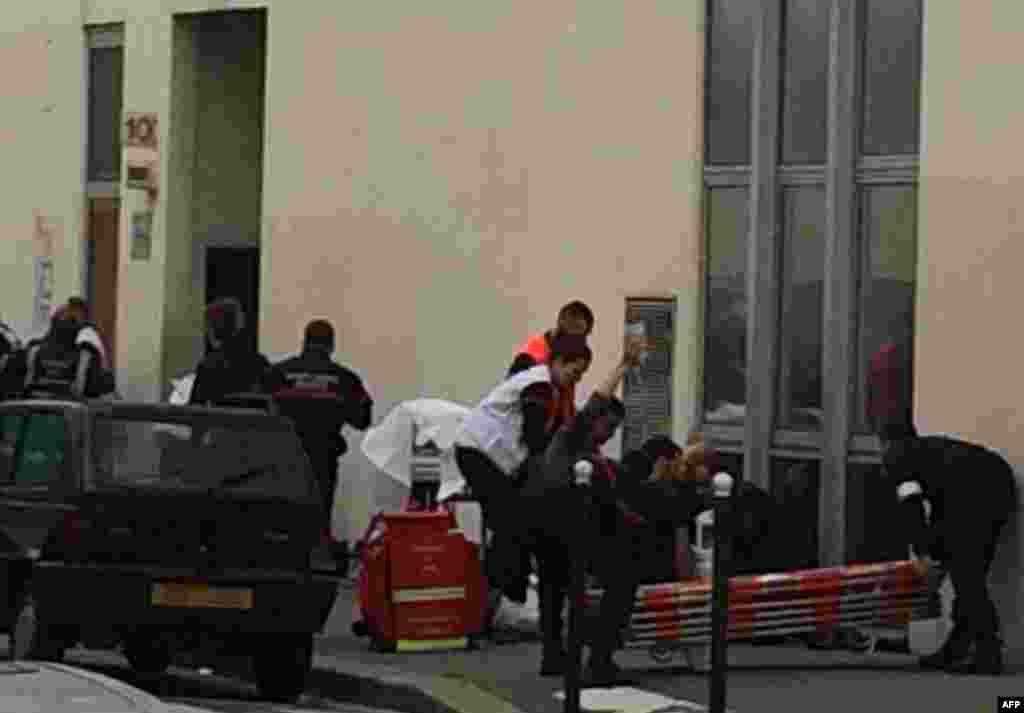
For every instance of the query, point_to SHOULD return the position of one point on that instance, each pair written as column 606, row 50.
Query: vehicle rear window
column 246, row 458
column 32, row 447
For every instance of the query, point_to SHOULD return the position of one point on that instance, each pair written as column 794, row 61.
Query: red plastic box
column 421, row 580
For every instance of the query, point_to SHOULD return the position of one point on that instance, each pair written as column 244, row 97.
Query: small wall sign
column 140, row 130
column 142, row 235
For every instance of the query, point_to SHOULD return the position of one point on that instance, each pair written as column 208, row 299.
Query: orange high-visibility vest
column 538, row 347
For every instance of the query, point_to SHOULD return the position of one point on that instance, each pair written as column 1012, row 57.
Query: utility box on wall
column 647, row 391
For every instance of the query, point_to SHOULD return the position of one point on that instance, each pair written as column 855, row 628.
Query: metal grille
column 425, row 465
column 647, row 392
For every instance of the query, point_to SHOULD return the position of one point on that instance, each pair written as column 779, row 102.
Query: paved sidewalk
column 792, row 678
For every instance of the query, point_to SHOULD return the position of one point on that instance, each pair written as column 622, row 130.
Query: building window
column 725, row 348
column 810, row 215
column 105, row 93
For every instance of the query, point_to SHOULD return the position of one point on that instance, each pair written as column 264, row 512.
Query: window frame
column 98, row 37
column 844, row 173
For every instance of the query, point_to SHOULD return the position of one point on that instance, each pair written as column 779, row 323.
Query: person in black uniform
column 549, row 507
column 59, row 368
column 658, row 542
column 972, row 494
column 89, row 335
column 550, row 511
column 12, row 364
column 232, row 364
column 321, row 397
column 632, row 514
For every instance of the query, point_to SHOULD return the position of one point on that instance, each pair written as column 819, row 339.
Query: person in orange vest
column 576, row 319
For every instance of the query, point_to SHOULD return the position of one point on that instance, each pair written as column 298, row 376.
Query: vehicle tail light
column 73, row 529
column 326, row 537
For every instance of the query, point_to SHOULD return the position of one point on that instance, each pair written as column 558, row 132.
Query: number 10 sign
column 140, row 130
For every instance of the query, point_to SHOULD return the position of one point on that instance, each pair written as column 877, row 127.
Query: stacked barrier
column 887, row 594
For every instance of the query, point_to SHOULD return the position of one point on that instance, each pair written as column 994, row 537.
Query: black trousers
column 495, row 490
column 324, row 460
column 499, row 499
column 613, row 551
column 618, row 556
column 968, row 558
column 553, row 564
column 968, row 535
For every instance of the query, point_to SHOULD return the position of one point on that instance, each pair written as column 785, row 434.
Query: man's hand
column 922, row 566
column 634, row 350
column 631, row 518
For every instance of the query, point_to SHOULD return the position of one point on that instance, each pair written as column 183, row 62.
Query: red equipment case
column 421, row 583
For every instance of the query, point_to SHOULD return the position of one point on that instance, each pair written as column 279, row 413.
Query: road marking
column 632, row 700
column 459, row 694
column 228, row 705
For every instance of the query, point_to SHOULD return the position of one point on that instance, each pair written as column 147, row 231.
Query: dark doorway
column 235, row 272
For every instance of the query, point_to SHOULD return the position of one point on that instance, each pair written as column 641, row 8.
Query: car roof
column 171, row 413
column 31, row 686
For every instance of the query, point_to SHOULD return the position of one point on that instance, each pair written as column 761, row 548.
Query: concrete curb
column 458, row 694
column 200, row 705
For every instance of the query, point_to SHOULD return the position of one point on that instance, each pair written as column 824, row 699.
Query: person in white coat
column 513, row 421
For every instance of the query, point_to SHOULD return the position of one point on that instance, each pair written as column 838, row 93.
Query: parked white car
column 33, row 686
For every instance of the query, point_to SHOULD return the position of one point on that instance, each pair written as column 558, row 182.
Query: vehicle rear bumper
column 123, row 597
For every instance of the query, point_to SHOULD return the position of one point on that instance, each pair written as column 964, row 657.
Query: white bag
column 519, row 617
column 389, row 444
column 182, row 390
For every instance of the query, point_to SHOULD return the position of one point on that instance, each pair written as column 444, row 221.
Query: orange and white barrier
column 887, row 594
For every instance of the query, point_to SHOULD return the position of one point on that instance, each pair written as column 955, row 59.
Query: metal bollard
column 722, row 485
column 702, row 552
column 577, row 584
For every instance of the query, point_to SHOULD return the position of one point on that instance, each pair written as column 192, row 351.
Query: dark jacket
column 765, row 540
column 12, row 374
column 666, row 504
column 666, row 507
column 52, row 364
column 12, row 364
column 236, row 368
column 554, row 468
column 321, row 397
column 969, row 488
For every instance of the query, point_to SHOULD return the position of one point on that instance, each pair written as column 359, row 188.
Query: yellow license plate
column 180, row 594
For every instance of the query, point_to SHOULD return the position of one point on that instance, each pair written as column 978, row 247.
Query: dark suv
column 170, row 531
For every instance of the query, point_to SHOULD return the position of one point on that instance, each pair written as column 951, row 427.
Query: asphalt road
column 230, row 692
column 770, row 678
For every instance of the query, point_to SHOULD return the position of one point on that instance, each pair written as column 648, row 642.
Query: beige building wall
column 968, row 349
column 436, row 182
column 168, row 72
column 439, row 182
column 42, row 169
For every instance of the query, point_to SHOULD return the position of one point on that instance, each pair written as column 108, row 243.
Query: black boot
column 602, row 672
column 987, row 659
column 552, row 659
column 956, row 649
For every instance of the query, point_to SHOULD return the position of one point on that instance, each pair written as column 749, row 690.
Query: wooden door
column 103, row 242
